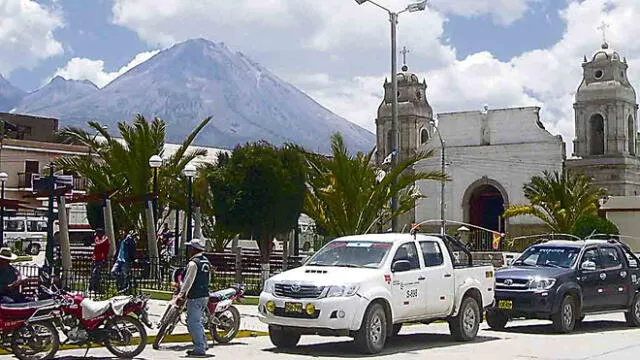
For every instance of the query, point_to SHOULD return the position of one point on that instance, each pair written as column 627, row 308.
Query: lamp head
column 189, row 170
column 4, row 176
column 155, row 161
column 419, row 6
column 360, row 2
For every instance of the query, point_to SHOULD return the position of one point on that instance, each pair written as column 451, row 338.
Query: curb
column 173, row 338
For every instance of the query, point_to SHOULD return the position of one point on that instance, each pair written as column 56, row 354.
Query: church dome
column 606, row 54
column 407, row 78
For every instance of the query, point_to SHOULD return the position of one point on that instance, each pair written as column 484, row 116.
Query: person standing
column 9, row 279
column 195, row 288
column 124, row 259
column 99, row 259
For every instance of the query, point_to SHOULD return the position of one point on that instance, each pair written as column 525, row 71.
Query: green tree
column 559, row 199
column 259, row 191
column 593, row 224
column 348, row 195
column 122, row 164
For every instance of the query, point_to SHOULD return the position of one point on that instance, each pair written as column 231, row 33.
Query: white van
column 31, row 230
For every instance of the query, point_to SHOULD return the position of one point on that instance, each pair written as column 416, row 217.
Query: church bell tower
column 606, row 125
column 414, row 123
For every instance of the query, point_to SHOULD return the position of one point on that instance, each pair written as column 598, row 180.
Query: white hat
column 6, row 254
column 197, row 244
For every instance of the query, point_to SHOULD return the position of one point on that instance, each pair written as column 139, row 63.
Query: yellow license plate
column 505, row 304
column 293, row 307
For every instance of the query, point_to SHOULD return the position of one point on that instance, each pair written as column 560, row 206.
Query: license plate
column 505, row 304
column 293, row 307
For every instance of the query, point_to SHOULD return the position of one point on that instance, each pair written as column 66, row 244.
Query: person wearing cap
column 195, row 288
column 9, row 279
column 99, row 258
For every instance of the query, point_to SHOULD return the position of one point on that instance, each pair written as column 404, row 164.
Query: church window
column 631, row 135
column 389, row 142
column 596, row 135
column 424, row 136
column 418, row 95
column 598, row 74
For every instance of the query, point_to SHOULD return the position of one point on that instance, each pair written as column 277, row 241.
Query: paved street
column 602, row 337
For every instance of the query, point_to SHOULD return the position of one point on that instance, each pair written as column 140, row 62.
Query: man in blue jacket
column 195, row 288
column 124, row 258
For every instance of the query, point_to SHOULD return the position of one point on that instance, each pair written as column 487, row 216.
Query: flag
column 387, row 160
column 495, row 244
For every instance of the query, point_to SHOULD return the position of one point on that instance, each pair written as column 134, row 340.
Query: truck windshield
column 560, row 257
column 362, row 254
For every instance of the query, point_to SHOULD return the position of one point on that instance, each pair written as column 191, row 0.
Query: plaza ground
column 602, row 337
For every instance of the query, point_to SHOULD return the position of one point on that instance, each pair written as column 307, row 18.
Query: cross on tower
column 603, row 27
column 404, row 53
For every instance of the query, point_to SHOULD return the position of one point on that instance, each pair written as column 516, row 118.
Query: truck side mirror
column 588, row 266
column 401, row 266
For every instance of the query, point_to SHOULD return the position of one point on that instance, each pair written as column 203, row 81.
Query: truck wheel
column 564, row 320
column 33, row 249
column 283, row 338
column 496, row 319
column 633, row 315
column 396, row 329
column 464, row 327
column 372, row 335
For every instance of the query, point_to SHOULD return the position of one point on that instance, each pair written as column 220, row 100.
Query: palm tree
column 348, row 195
column 123, row 165
column 559, row 199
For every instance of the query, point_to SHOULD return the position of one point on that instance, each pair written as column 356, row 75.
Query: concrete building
column 606, row 125
column 624, row 211
column 490, row 154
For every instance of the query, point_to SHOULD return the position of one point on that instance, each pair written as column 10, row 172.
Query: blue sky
column 504, row 53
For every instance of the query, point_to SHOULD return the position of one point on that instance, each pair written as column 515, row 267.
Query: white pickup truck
column 367, row 286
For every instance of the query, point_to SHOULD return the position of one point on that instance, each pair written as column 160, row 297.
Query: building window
column 598, row 74
column 31, row 167
column 424, row 136
column 596, row 135
column 631, row 135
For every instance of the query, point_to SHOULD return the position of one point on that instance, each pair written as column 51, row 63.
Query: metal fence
column 156, row 273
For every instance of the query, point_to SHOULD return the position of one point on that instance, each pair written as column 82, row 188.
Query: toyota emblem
column 508, row 282
column 295, row 288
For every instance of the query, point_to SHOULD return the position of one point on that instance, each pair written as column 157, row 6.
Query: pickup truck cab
column 367, row 286
column 563, row 281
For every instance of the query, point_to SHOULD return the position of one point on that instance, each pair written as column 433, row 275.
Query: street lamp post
column 393, row 18
column 3, row 178
column 155, row 162
column 442, row 169
column 189, row 171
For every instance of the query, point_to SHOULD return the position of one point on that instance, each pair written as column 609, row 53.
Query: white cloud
column 93, row 70
column 338, row 52
column 26, row 33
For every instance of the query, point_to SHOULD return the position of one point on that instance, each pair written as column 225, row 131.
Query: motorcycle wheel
column 126, row 346
column 167, row 324
column 229, row 328
column 36, row 341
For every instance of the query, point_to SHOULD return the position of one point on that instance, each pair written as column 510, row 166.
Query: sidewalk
column 248, row 318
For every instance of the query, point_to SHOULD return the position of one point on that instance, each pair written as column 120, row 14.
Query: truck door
column 438, row 286
column 590, row 270
column 616, row 278
column 406, row 283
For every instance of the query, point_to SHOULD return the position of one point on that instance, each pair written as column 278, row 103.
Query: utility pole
column 393, row 18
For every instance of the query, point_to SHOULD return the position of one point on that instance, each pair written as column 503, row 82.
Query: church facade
column 491, row 153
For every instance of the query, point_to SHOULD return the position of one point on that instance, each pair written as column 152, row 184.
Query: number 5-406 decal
column 412, row 293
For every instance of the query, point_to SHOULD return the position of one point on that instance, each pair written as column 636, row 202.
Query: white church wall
column 531, row 150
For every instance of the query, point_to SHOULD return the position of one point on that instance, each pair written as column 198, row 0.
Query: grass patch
column 166, row 296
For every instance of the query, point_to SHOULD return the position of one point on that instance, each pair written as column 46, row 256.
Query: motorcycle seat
column 92, row 309
column 222, row 294
column 27, row 305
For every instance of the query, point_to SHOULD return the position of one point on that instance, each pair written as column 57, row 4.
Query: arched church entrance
column 484, row 204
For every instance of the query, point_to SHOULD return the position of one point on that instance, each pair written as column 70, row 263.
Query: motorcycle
column 27, row 329
column 110, row 322
column 221, row 317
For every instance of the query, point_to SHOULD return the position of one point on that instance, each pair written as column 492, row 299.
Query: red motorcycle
column 221, row 317
column 27, row 329
column 116, row 323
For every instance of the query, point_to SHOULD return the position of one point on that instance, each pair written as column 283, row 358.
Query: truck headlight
column 269, row 287
column 541, row 283
column 342, row 290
